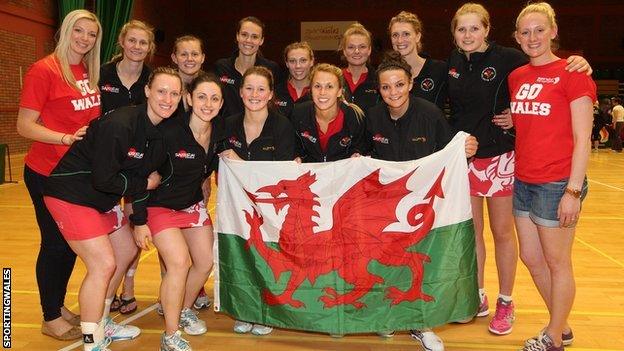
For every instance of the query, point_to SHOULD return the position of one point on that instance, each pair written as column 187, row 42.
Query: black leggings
column 56, row 259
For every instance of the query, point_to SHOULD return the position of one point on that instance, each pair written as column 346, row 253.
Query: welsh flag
column 358, row 245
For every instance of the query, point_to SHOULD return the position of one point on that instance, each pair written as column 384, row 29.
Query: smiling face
column 83, row 37
column 206, row 101
column 394, row 87
column 357, row 50
column 256, row 92
column 325, row 90
column 404, row 38
column 249, row 38
column 163, row 96
column 188, row 57
column 299, row 63
column 135, row 45
column 470, row 33
column 534, row 34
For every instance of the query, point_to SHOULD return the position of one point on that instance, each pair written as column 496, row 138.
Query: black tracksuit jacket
column 430, row 84
column 114, row 159
column 232, row 80
column 421, row 131
column 340, row 146
column 115, row 94
column 284, row 102
column 366, row 95
column 478, row 90
column 275, row 143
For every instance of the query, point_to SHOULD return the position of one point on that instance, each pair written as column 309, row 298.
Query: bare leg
column 476, row 202
column 125, row 250
column 174, row 252
column 505, row 242
column 200, row 242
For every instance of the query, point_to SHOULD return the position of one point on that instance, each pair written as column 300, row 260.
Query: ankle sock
column 505, row 298
column 90, row 335
column 481, row 295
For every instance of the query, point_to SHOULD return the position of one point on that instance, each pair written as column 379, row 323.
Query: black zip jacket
column 115, row 94
column 187, row 164
column 421, row 131
column 340, row 145
column 232, row 80
column 275, row 143
column 430, row 84
column 113, row 160
column 478, row 91
column 285, row 102
column 366, row 94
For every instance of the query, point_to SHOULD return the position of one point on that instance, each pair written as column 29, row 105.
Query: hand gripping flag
column 358, row 245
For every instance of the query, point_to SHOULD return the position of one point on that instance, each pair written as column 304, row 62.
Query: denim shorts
column 541, row 201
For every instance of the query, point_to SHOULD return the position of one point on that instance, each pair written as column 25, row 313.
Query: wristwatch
column 574, row 192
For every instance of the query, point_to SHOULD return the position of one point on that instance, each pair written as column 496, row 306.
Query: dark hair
column 164, row 70
column 204, row 77
column 261, row 71
column 616, row 100
column 393, row 60
column 252, row 19
column 187, row 38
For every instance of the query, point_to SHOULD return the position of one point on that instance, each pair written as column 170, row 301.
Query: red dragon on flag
column 357, row 237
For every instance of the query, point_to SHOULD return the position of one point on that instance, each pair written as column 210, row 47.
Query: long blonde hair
column 91, row 58
column 337, row 72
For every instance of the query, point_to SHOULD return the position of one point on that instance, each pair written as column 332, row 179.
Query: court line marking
column 597, row 250
column 604, row 184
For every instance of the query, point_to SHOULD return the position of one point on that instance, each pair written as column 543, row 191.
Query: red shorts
column 492, row 176
column 161, row 218
column 78, row 222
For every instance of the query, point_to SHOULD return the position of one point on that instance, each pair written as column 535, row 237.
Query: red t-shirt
column 349, row 78
column 540, row 107
column 292, row 91
column 62, row 108
column 334, row 127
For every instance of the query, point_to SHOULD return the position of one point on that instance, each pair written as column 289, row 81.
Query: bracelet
column 63, row 139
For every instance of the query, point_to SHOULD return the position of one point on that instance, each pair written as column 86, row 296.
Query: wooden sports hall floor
column 597, row 317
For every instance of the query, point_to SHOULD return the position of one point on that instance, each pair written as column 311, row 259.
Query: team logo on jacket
column 135, row 154
column 235, row 142
column 281, row 103
column 109, row 88
column 427, row 84
column 345, row 141
column 453, row 73
column 184, row 154
column 227, row 80
column 421, row 139
column 488, row 74
column 380, row 139
column 308, row 135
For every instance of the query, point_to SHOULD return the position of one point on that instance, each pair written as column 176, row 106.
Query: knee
column 559, row 264
column 104, row 267
column 203, row 267
column 533, row 262
column 179, row 263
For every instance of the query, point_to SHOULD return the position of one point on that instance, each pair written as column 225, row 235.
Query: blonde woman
column 59, row 98
column 549, row 105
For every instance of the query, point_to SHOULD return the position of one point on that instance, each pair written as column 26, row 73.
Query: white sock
column 90, row 335
column 107, row 305
column 505, row 298
column 481, row 294
column 130, row 272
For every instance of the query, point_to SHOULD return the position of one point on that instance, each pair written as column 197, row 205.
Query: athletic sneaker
column 102, row 345
column 119, row 331
column 242, row 327
column 191, row 323
column 385, row 333
column 503, row 319
column 259, row 329
column 202, row 300
column 543, row 343
column 159, row 309
column 567, row 338
column 174, row 342
column 484, row 308
column 428, row 339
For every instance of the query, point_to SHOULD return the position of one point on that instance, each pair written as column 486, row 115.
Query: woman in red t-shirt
column 59, row 98
column 549, row 106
